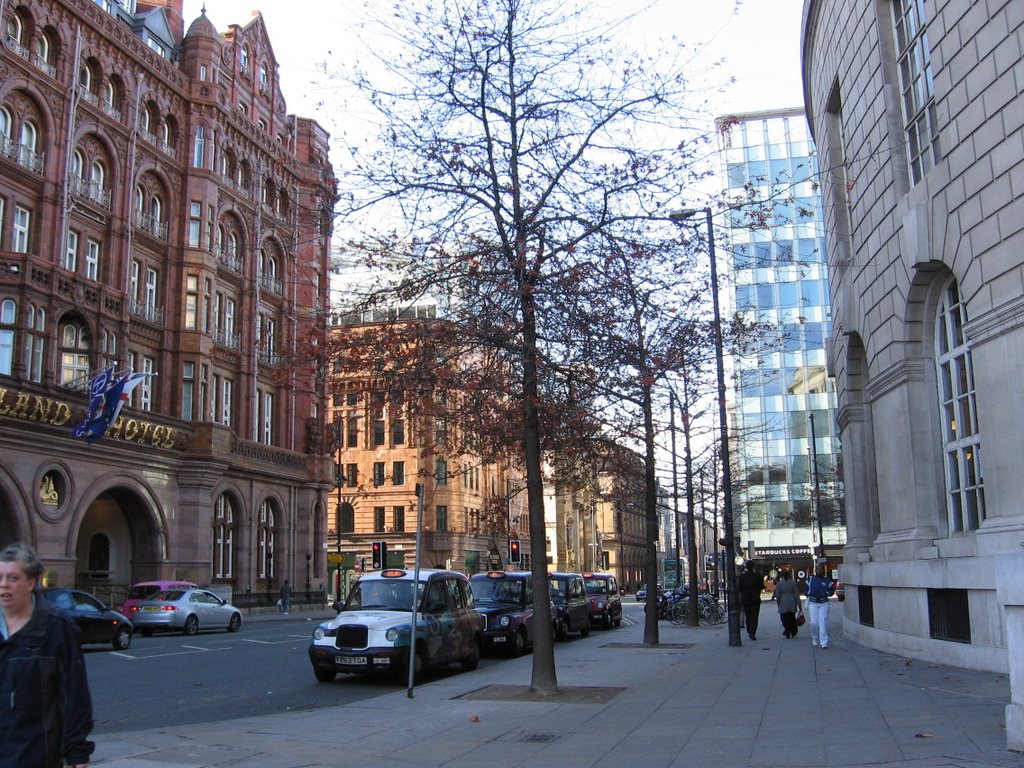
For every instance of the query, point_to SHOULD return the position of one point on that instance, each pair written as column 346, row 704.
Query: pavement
column 690, row 701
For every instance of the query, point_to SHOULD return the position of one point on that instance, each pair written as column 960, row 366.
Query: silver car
column 186, row 611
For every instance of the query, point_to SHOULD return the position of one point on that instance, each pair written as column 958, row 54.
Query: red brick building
column 160, row 211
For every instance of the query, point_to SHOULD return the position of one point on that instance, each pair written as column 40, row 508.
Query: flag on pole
column 105, row 402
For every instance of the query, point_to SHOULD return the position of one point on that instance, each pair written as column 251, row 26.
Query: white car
column 372, row 630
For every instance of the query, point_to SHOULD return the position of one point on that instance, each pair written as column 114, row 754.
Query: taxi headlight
column 504, row 621
column 395, row 633
column 319, row 634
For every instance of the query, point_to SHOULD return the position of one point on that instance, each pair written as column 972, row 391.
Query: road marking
column 258, row 642
column 167, row 655
column 195, row 647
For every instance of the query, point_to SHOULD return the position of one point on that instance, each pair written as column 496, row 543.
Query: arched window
column 77, row 164
column 16, row 29
column 961, row 437
column 265, row 541
column 223, row 538
column 85, row 77
column 5, row 123
column 156, row 209
column 145, row 120
column 199, row 148
column 29, row 140
column 232, row 244
column 167, row 132
column 8, row 316
column 42, row 48
column 98, row 176
column 74, row 352
column 140, row 200
column 264, row 77
column 243, row 58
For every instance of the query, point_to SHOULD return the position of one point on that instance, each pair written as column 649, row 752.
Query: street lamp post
column 817, row 490
column 723, row 424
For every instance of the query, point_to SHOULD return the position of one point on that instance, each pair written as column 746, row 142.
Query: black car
column 97, row 622
column 506, row 601
column 572, row 607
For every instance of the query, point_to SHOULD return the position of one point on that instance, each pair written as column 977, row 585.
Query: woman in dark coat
column 45, row 708
column 789, row 603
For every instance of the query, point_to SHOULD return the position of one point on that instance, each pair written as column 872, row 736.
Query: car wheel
column 191, row 625
column 561, row 633
column 122, row 639
column 617, row 622
column 607, row 622
column 236, row 623
column 146, row 632
column 324, row 675
column 585, row 629
column 518, row 646
column 472, row 661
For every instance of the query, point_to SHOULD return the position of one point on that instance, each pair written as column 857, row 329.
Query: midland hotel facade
column 160, row 211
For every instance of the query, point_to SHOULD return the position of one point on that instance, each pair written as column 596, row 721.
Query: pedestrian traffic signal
column 379, row 550
column 514, row 555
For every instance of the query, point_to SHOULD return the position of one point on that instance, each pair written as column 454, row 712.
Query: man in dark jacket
column 749, row 586
column 45, row 707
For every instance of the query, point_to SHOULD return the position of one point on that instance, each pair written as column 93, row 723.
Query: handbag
column 800, row 619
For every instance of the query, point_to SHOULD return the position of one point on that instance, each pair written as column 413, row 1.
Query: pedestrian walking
column 819, row 589
column 750, row 585
column 788, row 600
column 43, row 686
column 286, row 597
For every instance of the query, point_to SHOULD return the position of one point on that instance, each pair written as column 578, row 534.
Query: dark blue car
column 506, row 601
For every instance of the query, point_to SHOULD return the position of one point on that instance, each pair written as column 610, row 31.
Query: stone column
column 1010, row 593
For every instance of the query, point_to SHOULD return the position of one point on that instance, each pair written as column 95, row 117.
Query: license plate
column 382, row 662
column 151, row 608
column 350, row 660
column 499, row 639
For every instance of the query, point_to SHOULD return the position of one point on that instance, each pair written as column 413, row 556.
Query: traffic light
column 379, row 550
column 514, row 555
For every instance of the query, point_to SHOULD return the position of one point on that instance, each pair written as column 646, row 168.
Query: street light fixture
column 732, row 596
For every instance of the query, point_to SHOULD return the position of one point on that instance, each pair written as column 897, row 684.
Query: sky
column 757, row 41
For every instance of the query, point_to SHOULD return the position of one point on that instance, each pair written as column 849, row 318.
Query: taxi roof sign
column 393, row 573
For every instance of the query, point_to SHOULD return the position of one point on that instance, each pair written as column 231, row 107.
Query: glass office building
column 778, row 285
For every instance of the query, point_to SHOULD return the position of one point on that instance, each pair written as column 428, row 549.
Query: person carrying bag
column 819, row 589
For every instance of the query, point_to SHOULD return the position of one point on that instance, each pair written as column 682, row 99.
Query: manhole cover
column 539, row 737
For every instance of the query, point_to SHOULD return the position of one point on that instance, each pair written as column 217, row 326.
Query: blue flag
column 105, row 402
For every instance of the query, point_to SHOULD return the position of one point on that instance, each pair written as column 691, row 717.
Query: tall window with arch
column 35, row 342
column 74, row 352
column 99, row 554
column 223, row 538
column 8, row 318
column 265, row 541
column 961, row 438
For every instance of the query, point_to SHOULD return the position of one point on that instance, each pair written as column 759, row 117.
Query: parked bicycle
column 709, row 610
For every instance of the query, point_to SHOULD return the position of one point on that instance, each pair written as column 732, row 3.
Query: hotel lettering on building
column 161, row 212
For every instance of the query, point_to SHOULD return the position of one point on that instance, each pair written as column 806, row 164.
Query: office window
column 22, row 229
column 191, row 301
column 199, row 148
column 378, row 474
column 188, row 388
column 227, row 402
column 378, row 519
column 913, row 53
column 267, row 435
column 152, row 278
column 352, row 432
column 195, row 223
column 74, row 362
column 146, row 387
column 379, row 432
column 398, row 513
column 71, row 252
column 8, row 318
column 441, row 472
column 965, row 485
column 35, row 342
column 92, row 259
column 441, row 517
column 223, row 537
column 266, row 534
column 398, row 473
column 352, row 475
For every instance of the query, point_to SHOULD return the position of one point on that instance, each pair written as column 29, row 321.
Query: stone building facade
column 163, row 213
column 917, row 110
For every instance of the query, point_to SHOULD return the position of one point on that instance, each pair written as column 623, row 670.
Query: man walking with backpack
column 819, row 589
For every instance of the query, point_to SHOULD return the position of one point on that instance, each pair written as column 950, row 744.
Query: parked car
column 572, row 608
column 505, row 599
column 185, row 610
column 373, row 630
column 605, row 600
column 146, row 589
column 97, row 622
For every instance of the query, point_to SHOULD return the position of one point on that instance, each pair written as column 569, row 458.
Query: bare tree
column 517, row 153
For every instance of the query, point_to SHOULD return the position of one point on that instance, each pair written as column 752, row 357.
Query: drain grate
column 539, row 738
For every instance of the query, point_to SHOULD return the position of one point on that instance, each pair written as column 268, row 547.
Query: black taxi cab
column 572, row 608
column 605, row 599
column 505, row 598
column 372, row 631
